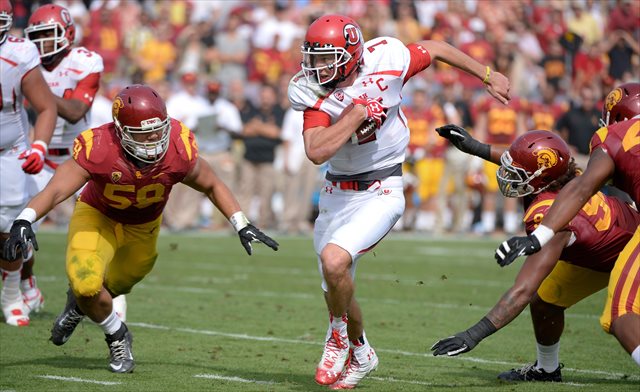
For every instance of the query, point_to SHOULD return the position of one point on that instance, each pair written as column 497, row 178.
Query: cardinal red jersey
column 621, row 141
column 502, row 120
column 118, row 188
column 600, row 230
column 544, row 116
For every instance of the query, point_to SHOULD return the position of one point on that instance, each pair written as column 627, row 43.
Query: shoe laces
column 527, row 368
column 119, row 349
column 333, row 348
column 71, row 319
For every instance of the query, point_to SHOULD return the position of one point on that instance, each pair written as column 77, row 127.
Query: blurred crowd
column 224, row 66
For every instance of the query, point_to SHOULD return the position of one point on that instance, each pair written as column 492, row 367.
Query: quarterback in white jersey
column 350, row 93
column 20, row 78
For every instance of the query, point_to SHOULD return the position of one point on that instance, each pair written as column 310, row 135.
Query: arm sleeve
column 315, row 118
column 86, row 89
column 420, row 59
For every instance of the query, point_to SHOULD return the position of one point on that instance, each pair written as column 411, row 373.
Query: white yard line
column 605, row 374
column 76, row 379
column 235, row 379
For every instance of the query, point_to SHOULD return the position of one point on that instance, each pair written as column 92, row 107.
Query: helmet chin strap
column 345, row 77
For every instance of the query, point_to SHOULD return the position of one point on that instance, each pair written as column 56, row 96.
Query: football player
column 129, row 167
column 576, row 264
column 20, row 77
column 350, row 92
column 615, row 153
column 73, row 74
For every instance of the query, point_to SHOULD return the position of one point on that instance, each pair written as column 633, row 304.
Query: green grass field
column 211, row 318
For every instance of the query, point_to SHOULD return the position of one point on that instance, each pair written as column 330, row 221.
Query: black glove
column 20, row 233
column 454, row 345
column 464, row 341
column 515, row 247
column 464, row 142
column 251, row 233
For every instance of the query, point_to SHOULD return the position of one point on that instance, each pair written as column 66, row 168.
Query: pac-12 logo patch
column 339, row 94
column 116, row 176
column 351, row 34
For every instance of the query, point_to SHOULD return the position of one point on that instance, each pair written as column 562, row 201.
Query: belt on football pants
column 58, row 152
column 353, row 185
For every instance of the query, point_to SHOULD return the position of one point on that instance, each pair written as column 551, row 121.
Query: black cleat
column 66, row 322
column 531, row 373
column 120, row 355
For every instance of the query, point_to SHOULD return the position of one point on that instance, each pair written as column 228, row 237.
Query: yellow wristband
column 486, row 76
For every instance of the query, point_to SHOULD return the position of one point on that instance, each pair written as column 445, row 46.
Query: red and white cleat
column 16, row 314
column 356, row 370
column 334, row 357
column 34, row 302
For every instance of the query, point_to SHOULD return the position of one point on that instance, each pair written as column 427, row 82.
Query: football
column 366, row 132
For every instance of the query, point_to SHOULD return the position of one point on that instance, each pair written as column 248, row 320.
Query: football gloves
column 34, row 158
column 464, row 341
column 375, row 111
column 464, row 142
column 20, row 234
column 453, row 345
column 250, row 234
column 515, row 247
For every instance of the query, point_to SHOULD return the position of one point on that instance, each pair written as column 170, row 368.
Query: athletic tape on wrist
column 28, row 214
column 543, row 234
column 239, row 220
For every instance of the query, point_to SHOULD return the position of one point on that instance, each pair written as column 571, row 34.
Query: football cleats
column 51, row 23
column 6, row 19
column 532, row 163
column 142, row 124
column 332, row 50
column 622, row 103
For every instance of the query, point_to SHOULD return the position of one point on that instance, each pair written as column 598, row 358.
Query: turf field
column 211, row 318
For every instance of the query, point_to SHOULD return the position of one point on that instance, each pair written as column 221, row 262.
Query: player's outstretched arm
column 466, row 143
column 497, row 84
column 67, row 179
column 203, row 179
column 534, row 270
column 565, row 206
column 37, row 92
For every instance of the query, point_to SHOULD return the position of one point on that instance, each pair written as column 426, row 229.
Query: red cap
column 189, row 77
column 213, row 87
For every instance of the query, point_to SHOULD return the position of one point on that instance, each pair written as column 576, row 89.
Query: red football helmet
column 532, row 163
column 332, row 49
column 622, row 103
column 141, row 121
column 6, row 19
column 51, row 23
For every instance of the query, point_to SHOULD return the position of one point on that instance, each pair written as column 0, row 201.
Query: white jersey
column 17, row 58
column 386, row 63
column 74, row 67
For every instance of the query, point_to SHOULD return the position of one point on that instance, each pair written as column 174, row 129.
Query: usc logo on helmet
column 117, row 105
column 351, row 34
column 613, row 98
column 546, row 157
